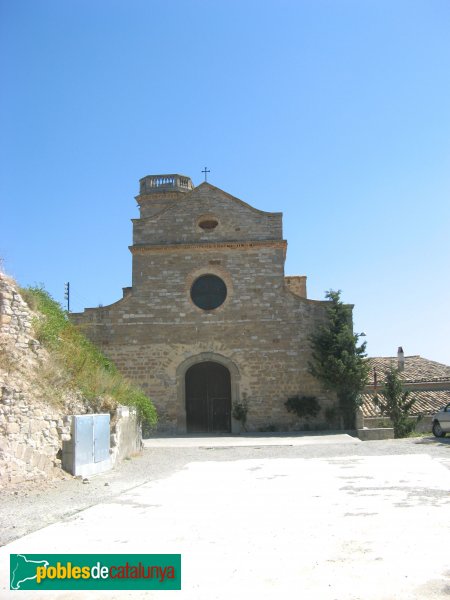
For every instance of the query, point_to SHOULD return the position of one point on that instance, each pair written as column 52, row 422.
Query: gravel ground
column 23, row 510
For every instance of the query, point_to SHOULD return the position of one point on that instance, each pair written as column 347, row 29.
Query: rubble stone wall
column 30, row 429
column 33, row 426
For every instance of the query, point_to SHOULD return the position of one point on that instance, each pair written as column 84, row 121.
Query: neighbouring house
column 427, row 380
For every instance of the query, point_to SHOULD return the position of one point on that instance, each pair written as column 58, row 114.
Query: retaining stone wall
column 32, row 429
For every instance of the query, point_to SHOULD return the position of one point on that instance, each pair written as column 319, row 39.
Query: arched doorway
column 208, row 398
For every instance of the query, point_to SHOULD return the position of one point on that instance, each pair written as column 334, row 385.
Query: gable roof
column 427, row 402
column 191, row 193
column 233, row 198
column 427, row 380
column 417, row 369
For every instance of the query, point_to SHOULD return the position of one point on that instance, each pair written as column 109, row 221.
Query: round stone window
column 208, row 292
column 208, row 223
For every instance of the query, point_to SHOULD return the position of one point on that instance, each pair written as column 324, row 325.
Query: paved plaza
column 332, row 519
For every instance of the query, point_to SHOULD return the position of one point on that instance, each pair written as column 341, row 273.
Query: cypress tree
column 338, row 362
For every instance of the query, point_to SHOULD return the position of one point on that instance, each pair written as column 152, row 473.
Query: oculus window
column 208, row 292
column 208, row 224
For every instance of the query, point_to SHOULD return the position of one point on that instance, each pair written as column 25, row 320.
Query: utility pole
column 67, row 295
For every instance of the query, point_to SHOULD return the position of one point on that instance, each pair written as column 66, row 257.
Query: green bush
column 269, row 428
column 331, row 414
column 304, row 407
column 240, row 411
column 88, row 369
column 338, row 362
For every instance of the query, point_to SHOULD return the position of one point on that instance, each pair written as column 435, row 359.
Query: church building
column 211, row 321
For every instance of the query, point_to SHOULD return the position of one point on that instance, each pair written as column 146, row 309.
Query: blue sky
column 336, row 113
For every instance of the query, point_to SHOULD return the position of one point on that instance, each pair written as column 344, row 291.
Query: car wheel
column 437, row 430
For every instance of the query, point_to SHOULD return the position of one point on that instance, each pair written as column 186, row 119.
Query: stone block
column 14, row 479
column 27, row 454
column 12, row 428
column 44, row 462
column 36, row 425
column 35, row 458
column 20, row 451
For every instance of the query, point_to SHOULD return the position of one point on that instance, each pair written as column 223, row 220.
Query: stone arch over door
column 183, row 368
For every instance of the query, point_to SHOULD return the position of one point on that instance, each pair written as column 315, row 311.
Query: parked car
column 441, row 422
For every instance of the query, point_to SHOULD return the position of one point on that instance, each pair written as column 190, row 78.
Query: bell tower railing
column 165, row 183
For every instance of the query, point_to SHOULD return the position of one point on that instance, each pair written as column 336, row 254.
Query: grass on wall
column 86, row 367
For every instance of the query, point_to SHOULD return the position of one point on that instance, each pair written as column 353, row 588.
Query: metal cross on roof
column 206, row 171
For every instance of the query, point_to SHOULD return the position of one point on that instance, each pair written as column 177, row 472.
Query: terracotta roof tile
column 417, row 369
column 427, row 402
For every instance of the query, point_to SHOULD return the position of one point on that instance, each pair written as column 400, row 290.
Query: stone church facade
column 210, row 320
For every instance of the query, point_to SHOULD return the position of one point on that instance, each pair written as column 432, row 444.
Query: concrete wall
column 423, row 426
column 126, row 434
column 375, row 433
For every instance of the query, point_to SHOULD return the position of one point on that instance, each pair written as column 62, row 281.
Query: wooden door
column 208, row 398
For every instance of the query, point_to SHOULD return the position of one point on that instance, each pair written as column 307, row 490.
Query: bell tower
column 157, row 192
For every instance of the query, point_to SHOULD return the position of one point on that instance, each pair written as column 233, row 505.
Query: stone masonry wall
column 178, row 222
column 260, row 333
column 30, row 429
column 34, row 421
column 297, row 284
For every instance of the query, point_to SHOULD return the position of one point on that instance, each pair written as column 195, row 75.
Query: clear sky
column 336, row 113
